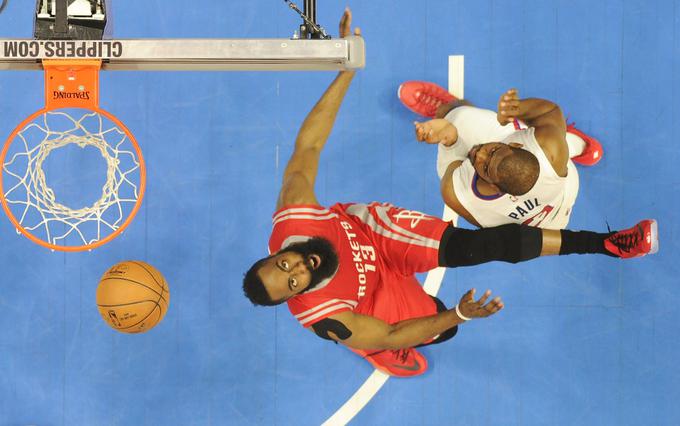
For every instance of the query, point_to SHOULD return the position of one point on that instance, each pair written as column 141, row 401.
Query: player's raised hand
column 436, row 131
column 346, row 24
column 508, row 107
column 472, row 308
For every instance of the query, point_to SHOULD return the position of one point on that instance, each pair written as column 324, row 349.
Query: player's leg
column 444, row 109
column 516, row 243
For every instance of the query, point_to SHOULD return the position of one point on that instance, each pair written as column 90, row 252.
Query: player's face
column 299, row 267
column 487, row 157
column 287, row 274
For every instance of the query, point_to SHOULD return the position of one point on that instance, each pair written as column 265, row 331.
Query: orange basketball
column 132, row 296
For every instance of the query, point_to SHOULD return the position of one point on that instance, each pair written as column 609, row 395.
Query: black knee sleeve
column 507, row 243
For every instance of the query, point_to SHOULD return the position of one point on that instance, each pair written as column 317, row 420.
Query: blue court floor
column 583, row 340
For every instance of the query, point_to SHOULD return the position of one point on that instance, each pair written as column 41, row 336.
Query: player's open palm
column 472, row 308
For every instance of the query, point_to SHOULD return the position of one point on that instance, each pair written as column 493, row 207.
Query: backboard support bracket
column 69, row 20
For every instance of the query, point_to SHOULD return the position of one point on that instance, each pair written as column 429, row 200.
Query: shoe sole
column 404, row 103
column 589, row 161
column 654, row 233
column 390, row 373
column 381, row 368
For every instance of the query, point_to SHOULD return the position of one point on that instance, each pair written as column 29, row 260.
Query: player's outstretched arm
column 543, row 115
column 365, row 332
column 300, row 174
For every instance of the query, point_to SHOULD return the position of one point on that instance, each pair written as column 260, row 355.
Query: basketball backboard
column 190, row 54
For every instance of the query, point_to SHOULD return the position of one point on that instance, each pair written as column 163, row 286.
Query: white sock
column 576, row 145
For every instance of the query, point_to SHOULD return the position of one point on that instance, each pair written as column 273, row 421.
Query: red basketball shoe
column 637, row 241
column 423, row 98
column 592, row 153
column 399, row 363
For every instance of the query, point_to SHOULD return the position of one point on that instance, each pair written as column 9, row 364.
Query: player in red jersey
column 347, row 271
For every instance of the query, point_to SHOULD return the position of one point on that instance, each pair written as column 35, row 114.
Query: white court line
column 457, row 76
column 433, row 281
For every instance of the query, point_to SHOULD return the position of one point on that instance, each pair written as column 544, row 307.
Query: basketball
column 132, row 296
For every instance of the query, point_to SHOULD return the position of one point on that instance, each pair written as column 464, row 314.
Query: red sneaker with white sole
column 592, row 153
column 640, row 240
column 399, row 363
column 423, row 98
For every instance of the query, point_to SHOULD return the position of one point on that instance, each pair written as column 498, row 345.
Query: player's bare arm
column 543, row 115
column 449, row 194
column 364, row 332
column 300, row 173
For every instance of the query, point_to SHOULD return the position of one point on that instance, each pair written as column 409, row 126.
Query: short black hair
column 253, row 287
column 518, row 173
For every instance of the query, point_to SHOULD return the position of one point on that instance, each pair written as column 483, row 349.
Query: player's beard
column 322, row 248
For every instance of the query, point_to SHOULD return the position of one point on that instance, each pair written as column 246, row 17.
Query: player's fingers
column 494, row 304
column 418, row 129
column 346, row 22
column 343, row 20
column 484, row 297
column 508, row 114
column 469, row 296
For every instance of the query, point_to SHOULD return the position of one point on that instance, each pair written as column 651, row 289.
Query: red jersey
column 379, row 248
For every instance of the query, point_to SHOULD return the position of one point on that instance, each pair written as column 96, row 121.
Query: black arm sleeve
column 322, row 327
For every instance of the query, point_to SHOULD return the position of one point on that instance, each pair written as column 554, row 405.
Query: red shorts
column 399, row 299
column 408, row 243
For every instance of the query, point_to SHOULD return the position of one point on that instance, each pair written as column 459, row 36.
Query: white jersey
column 547, row 205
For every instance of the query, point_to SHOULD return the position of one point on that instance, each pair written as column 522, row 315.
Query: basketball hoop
column 68, row 45
column 71, row 116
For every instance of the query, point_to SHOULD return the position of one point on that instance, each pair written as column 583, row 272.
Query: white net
column 34, row 204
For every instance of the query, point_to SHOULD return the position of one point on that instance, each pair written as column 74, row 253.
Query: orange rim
column 108, row 238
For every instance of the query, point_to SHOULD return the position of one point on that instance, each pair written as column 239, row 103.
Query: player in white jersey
column 535, row 183
column 547, row 204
